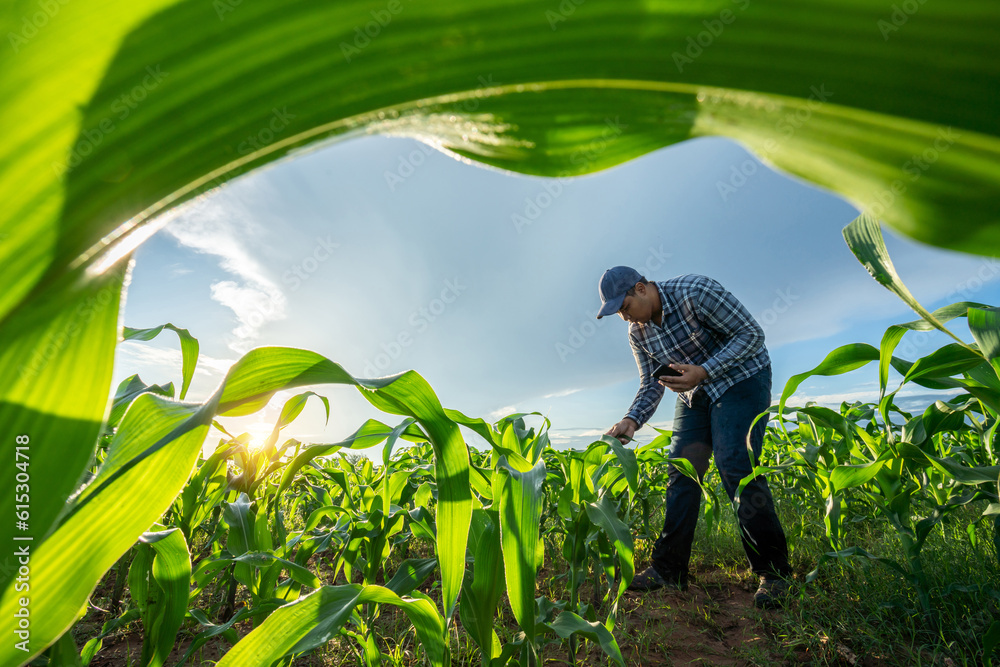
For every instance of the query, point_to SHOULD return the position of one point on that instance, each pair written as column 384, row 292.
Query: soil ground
column 714, row 622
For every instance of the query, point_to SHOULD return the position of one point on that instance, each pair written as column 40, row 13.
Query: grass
column 865, row 607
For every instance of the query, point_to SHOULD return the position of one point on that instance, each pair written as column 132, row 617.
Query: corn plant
column 80, row 198
column 932, row 463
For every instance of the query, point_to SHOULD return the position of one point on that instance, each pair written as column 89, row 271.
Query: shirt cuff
column 634, row 417
column 712, row 368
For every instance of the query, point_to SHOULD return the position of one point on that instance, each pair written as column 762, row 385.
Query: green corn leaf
column 127, row 391
column 104, row 524
column 241, row 532
column 832, row 419
column 71, row 198
column 484, row 583
column 171, row 574
column 81, row 174
column 262, row 372
column 959, row 473
column 205, row 489
column 41, row 347
column 521, row 505
column 848, row 476
column 628, row 462
column 944, row 362
column 990, row 641
column 604, row 514
column 568, row 624
column 411, row 573
column 685, row 468
column 317, row 618
column 864, row 238
column 64, row 653
column 94, row 644
column 242, row 537
column 479, row 426
column 937, row 418
column 263, row 609
column 984, row 391
column 985, row 326
column 289, row 411
column 631, row 68
column 422, row 523
column 392, row 485
column 142, row 476
column 189, row 349
column 138, row 578
column 986, row 375
column 262, row 559
column 661, row 441
column 371, row 433
column 894, row 334
column 319, row 514
column 844, row 359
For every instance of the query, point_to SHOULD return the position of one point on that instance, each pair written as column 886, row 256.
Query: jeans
column 721, row 427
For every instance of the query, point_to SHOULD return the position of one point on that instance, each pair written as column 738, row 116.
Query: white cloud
column 563, row 392
column 162, row 365
column 253, row 308
column 868, row 396
column 501, row 412
column 222, row 225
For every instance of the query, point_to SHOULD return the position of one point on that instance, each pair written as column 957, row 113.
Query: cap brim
column 611, row 306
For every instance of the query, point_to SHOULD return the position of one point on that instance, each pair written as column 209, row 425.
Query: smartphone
column 664, row 369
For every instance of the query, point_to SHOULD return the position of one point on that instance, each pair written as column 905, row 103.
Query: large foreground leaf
column 521, row 502
column 116, row 111
column 152, row 456
column 167, row 587
column 318, row 617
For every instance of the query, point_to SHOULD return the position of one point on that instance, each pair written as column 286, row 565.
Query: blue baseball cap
column 612, row 287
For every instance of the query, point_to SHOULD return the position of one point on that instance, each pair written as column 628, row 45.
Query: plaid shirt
column 702, row 324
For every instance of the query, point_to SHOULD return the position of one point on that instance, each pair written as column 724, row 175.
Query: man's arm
column 650, row 390
column 722, row 311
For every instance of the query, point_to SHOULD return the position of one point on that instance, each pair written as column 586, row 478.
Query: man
column 705, row 334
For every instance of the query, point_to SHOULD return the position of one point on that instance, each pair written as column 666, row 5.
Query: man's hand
column 623, row 430
column 690, row 377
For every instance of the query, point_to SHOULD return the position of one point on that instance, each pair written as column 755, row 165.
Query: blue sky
column 384, row 254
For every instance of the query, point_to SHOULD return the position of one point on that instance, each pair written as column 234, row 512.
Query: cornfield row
column 454, row 535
